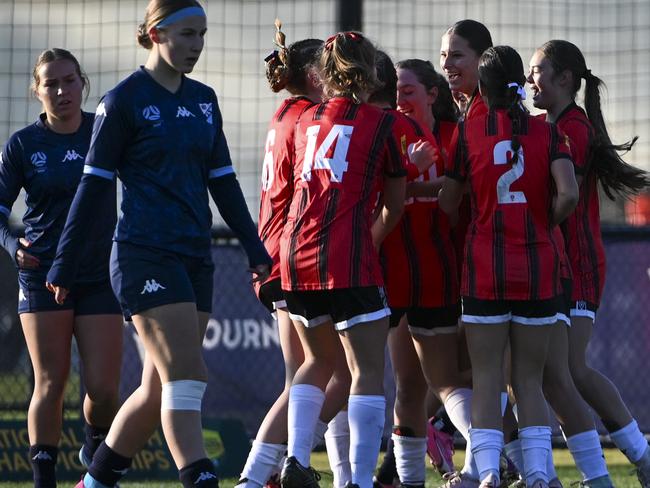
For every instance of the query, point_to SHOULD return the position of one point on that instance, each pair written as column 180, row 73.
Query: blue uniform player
column 46, row 159
column 161, row 134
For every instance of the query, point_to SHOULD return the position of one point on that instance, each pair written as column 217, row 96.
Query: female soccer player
column 556, row 72
column 510, row 282
column 161, row 132
column 329, row 262
column 46, row 159
column 292, row 68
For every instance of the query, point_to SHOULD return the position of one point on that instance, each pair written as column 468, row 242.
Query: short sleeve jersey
column 581, row 230
column 510, row 253
column 48, row 166
column 164, row 147
column 277, row 177
column 341, row 150
column 418, row 256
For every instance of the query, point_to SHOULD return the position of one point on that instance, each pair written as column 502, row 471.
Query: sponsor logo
column 42, row 456
column 204, row 476
column 206, row 108
column 152, row 286
column 101, row 110
column 39, row 160
column 151, row 113
column 71, row 155
column 183, row 112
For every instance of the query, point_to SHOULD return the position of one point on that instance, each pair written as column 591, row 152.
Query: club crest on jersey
column 71, row 155
column 151, row 113
column 206, row 108
column 183, row 112
column 101, row 110
column 39, row 161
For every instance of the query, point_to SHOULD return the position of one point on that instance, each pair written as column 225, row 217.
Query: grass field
column 621, row 471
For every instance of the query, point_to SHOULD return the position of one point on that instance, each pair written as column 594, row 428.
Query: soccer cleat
column 539, row 483
column 520, row 483
column 273, row 481
column 455, row 479
column 295, row 475
column 600, row 482
column 440, row 448
column 80, row 484
column 83, row 459
column 643, row 469
column 492, row 481
column 378, row 484
column 508, row 473
column 405, row 485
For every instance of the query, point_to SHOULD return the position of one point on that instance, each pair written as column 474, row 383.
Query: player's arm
column 453, row 186
column 227, row 195
column 111, row 131
column 564, row 174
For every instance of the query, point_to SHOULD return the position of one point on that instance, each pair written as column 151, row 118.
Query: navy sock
column 43, row 459
column 108, row 467
column 443, row 422
column 199, row 474
column 94, row 437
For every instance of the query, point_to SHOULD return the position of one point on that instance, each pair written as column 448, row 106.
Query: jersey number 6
column 501, row 156
column 315, row 159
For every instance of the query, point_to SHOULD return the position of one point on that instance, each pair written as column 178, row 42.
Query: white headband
column 521, row 91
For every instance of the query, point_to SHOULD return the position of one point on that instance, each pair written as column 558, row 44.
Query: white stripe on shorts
column 562, row 317
column 486, row 319
column 535, row 320
column 365, row 317
column 579, row 312
column 316, row 321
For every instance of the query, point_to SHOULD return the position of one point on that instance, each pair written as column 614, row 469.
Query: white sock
column 470, row 470
column 588, row 454
column 513, row 451
column 305, row 403
column 409, row 458
column 458, row 405
column 536, row 448
column 486, row 448
column 366, row 415
column 319, row 434
column 337, row 441
column 630, row 441
column 550, row 466
column 262, row 462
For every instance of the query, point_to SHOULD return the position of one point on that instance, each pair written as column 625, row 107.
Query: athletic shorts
column 145, row 277
column 565, row 314
column 93, row 298
column 345, row 307
column 428, row 321
column 524, row 312
column 272, row 296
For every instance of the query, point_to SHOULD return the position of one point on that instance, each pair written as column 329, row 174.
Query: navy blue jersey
column 49, row 166
column 164, row 147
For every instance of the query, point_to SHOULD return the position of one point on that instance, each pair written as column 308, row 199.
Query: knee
column 102, row 392
column 410, row 393
column 49, row 387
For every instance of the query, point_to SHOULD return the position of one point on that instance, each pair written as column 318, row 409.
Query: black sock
column 443, row 423
column 387, row 471
column 94, row 437
column 199, row 474
column 43, row 459
column 108, row 467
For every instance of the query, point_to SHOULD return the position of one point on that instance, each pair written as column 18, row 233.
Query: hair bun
column 143, row 37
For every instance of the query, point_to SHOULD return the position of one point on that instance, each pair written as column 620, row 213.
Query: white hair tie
column 521, row 91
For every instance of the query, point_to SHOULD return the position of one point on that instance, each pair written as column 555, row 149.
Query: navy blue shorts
column 145, row 277
column 272, row 296
column 95, row 298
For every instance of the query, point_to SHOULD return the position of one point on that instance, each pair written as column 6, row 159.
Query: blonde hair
column 56, row 54
column 348, row 66
column 157, row 10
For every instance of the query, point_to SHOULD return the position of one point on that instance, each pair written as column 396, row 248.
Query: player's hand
column 423, row 155
column 261, row 272
column 23, row 258
column 60, row 293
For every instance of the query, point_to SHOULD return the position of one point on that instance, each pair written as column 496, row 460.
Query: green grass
column 619, row 467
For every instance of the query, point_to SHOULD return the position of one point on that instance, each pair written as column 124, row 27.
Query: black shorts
column 428, row 321
column 565, row 314
column 272, row 296
column 524, row 312
column 345, row 307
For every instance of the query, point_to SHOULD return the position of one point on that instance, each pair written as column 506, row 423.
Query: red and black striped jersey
column 277, row 177
column 510, row 253
column 418, row 256
column 476, row 108
column 581, row 229
column 341, row 150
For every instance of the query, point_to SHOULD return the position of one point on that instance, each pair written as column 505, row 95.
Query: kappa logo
column 206, row 108
column 71, row 155
column 152, row 286
column 183, row 112
column 121, row 472
column 204, row 476
column 39, row 160
column 581, row 305
column 151, row 113
column 42, row 456
column 101, row 110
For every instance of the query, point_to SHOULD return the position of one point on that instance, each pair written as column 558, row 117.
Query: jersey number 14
column 316, row 159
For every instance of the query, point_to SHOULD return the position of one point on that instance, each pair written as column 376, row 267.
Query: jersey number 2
column 501, row 153
column 315, row 159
